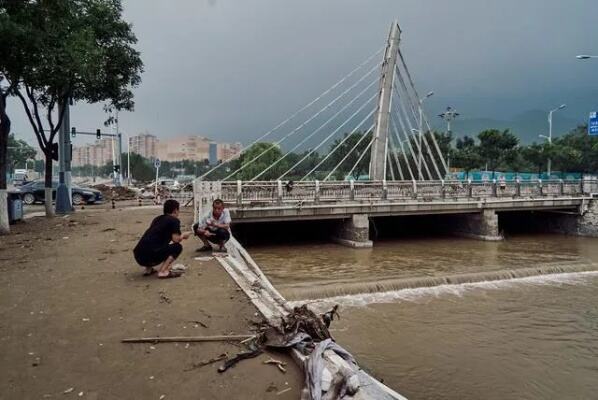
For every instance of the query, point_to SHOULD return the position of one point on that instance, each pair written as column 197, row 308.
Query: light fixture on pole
column 421, row 132
column 585, row 57
column 562, row 106
column 449, row 116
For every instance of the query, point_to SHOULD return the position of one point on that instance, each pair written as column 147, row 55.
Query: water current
column 448, row 318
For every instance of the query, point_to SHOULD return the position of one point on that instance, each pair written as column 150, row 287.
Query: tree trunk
column 48, row 183
column 4, row 132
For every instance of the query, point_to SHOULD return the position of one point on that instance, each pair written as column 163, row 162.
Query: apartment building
column 145, row 145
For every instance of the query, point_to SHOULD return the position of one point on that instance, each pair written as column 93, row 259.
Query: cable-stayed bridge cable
column 393, row 150
column 349, row 152
column 442, row 160
column 361, row 156
column 305, row 107
column 320, row 128
column 408, row 140
column 339, row 145
column 420, row 129
column 327, row 138
column 411, row 129
column 242, row 167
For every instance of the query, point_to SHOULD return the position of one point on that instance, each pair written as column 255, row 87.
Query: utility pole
column 380, row 140
column 64, row 203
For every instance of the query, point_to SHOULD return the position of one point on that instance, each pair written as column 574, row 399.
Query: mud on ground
column 71, row 291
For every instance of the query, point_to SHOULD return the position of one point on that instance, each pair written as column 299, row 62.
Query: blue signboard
column 593, row 124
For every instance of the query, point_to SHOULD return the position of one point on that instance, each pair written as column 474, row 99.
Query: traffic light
column 98, row 134
column 54, row 151
column 73, row 132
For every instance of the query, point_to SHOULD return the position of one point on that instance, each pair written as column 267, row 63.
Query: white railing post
column 540, row 187
column 279, row 191
column 414, row 188
column 469, row 189
column 239, row 193
column 442, row 189
column 384, row 190
column 494, row 190
column 317, row 193
column 352, row 189
column 561, row 187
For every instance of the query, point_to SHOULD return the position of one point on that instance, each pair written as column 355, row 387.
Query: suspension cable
column 338, row 145
column 242, row 167
column 320, row 128
column 349, row 152
column 305, row 107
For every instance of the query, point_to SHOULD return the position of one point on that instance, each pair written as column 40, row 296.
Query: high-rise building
column 195, row 148
column 229, row 151
column 213, row 157
column 97, row 154
column 145, row 145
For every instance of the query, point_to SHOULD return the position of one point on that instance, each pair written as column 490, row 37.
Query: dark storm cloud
column 230, row 69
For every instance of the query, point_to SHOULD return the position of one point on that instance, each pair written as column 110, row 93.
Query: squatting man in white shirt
column 214, row 227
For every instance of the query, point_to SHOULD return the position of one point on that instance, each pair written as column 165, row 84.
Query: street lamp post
column 585, row 57
column 550, row 133
column 421, row 132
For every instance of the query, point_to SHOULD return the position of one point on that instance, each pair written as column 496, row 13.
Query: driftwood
column 173, row 339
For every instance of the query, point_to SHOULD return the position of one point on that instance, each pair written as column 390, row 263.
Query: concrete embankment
column 273, row 307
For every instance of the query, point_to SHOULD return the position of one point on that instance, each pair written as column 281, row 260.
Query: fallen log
column 187, row 339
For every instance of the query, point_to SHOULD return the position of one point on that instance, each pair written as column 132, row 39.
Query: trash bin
column 15, row 207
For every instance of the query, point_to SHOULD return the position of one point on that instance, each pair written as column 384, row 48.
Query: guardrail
column 251, row 193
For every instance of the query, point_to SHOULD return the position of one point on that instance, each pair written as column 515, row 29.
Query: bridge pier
column 481, row 226
column 583, row 224
column 354, row 232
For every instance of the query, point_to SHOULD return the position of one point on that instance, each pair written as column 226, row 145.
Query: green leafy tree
column 497, row 147
column 19, row 152
column 256, row 159
column 354, row 151
column 60, row 51
column 466, row 155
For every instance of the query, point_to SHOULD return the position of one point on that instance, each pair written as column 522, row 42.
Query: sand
column 71, row 291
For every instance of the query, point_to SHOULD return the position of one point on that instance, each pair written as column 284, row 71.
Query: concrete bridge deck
column 474, row 205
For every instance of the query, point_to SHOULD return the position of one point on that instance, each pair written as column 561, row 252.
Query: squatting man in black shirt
column 160, row 245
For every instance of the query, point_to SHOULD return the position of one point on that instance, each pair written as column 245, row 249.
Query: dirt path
column 71, row 291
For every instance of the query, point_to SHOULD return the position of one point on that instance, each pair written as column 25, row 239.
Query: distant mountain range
column 526, row 126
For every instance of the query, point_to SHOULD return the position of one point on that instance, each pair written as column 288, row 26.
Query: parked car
column 34, row 192
column 20, row 178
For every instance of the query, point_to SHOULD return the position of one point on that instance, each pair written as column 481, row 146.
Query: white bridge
column 387, row 136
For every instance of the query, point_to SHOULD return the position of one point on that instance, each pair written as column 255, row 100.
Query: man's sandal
column 171, row 274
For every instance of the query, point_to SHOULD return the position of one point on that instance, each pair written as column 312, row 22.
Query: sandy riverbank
column 71, row 291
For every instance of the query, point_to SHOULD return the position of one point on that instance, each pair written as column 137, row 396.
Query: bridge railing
column 268, row 193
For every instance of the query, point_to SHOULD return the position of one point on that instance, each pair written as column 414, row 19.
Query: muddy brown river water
column 511, row 336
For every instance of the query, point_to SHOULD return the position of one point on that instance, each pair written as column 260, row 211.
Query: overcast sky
column 232, row 69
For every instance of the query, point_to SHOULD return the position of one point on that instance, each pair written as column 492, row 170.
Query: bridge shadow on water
column 285, row 233
column 416, row 227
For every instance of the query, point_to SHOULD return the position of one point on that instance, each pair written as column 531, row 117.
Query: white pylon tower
column 382, row 124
